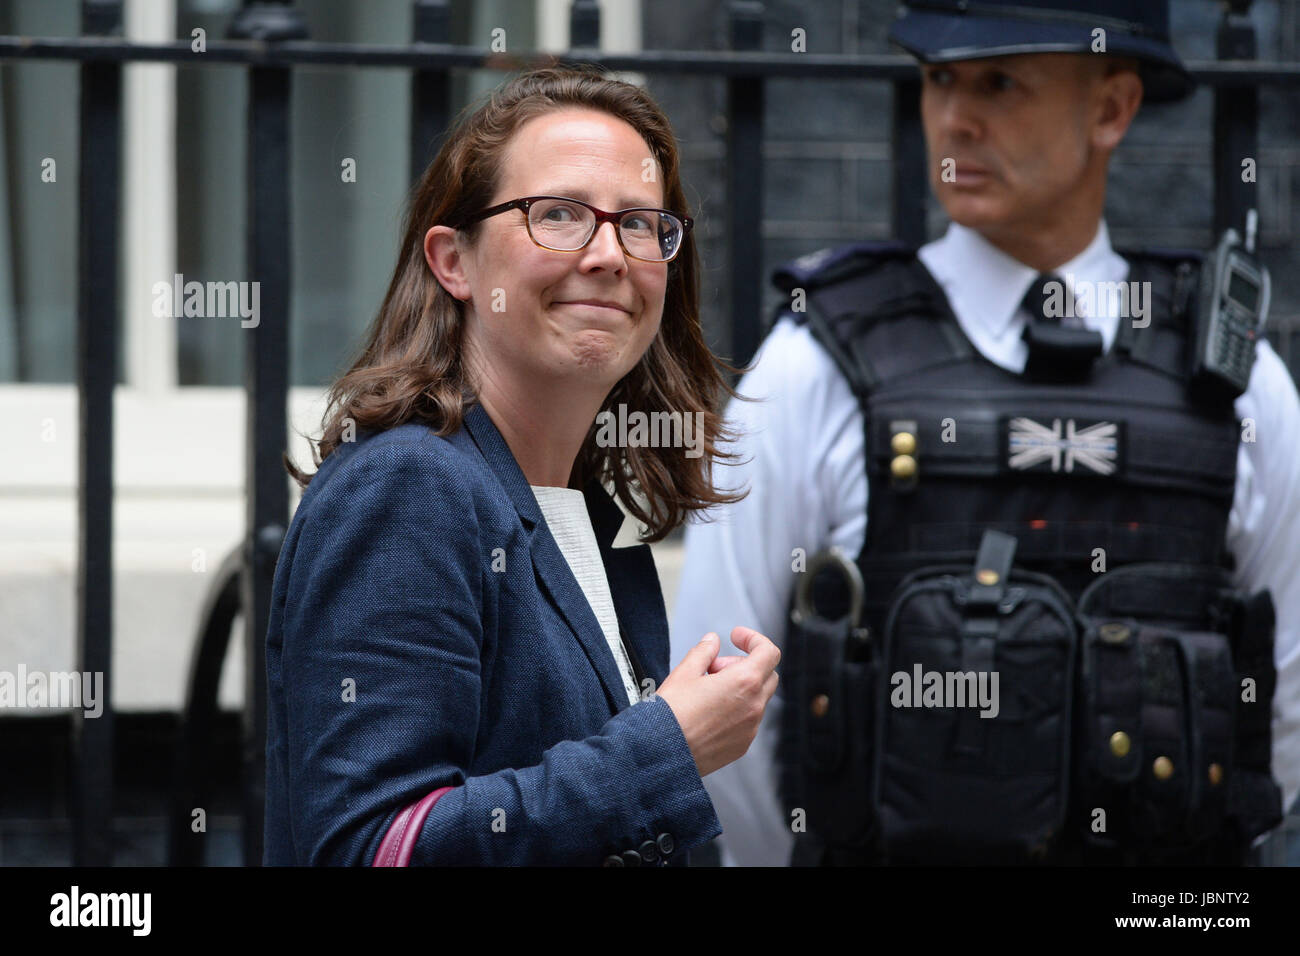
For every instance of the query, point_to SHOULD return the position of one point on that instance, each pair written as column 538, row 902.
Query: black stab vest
column 1128, row 461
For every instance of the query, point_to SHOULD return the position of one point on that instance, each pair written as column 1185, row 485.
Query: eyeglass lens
column 566, row 226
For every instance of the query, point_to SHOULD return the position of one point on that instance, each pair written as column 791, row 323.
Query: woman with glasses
column 467, row 657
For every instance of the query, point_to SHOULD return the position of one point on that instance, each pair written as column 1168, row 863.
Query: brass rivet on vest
column 987, row 576
column 1113, row 633
column 903, row 443
column 903, row 466
column 1163, row 768
column 820, row 705
column 1120, row 743
column 1216, row 774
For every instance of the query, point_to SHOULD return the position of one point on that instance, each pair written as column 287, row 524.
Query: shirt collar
column 987, row 286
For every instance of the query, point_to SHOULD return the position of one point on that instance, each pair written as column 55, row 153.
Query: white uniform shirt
column 808, row 489
column 565, row 511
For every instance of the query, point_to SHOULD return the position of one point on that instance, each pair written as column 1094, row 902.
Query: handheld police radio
column 1234, row 307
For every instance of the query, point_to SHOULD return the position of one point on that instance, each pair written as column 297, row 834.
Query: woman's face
column 544, row 316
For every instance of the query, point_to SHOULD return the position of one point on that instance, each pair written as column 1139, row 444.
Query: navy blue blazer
column 426, row 631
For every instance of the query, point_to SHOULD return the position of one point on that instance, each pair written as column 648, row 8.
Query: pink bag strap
column 399, row 842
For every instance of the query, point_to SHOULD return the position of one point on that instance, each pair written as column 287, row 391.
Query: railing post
column 1236, row 122
column 192, row 783
column 584, row 25
column 266, row 382
column 430, row 89
column 99, row 157
column 744, row 177
column 909, row 164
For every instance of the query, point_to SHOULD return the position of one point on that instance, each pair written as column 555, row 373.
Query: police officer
column 1003, row 376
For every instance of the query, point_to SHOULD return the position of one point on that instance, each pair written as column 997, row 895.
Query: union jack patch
column 1070, row 446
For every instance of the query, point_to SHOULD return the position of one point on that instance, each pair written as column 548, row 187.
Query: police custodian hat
column 941, row 31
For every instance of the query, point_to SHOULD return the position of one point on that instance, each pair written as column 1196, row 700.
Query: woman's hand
column 719, row 701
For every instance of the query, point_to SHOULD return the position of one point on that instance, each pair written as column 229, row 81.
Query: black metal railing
column 270, row 38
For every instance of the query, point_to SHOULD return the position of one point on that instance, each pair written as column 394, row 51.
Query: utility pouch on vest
column 1255, row 800
column 1176, row 686
column 828, row 707
column 973, row 713
column 1137, row 773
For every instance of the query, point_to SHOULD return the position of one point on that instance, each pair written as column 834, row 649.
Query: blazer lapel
column 634, row 584
column 552, row 570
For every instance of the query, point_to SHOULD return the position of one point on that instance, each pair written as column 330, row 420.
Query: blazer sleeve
column 380, row 666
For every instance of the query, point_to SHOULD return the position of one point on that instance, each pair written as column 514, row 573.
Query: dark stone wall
column 827, row 148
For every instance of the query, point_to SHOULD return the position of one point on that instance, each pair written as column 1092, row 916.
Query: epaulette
column 828, row 265
column 1186, row 265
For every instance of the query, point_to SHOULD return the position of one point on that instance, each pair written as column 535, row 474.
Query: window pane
column 38, row 179
column 345, row 220
column 211, row 106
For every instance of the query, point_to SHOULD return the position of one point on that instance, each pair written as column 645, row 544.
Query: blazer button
column 666, row 844
column 649, row 852
column 613, row 860
column 631, row 858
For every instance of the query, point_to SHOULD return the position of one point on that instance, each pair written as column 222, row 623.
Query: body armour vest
column 1064, row 536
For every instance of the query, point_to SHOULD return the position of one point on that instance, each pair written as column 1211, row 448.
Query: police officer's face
column 1015, row 141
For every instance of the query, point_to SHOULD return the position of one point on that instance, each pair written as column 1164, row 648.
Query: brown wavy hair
column 410, row 367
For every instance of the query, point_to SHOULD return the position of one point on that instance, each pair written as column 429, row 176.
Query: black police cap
column 941, row 31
